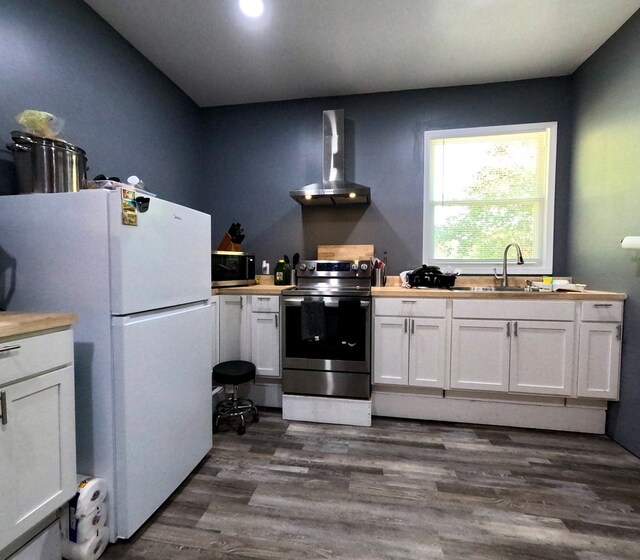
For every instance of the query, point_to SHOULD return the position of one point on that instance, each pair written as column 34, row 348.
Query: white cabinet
column 265, row 335
column 599, row 350
column 494, row 352
column 235, row 331
column 37, row 431
column 480, row 351
column 409, row 342
column 542, row 358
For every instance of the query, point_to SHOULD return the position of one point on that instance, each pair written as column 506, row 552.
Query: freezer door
column 164, row 260
column 162, row 410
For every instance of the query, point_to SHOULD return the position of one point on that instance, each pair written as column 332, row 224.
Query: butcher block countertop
column 400, row 292
column 16, row 324
column 257, row 290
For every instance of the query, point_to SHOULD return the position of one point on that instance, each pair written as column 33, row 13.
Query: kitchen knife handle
column 3, row 406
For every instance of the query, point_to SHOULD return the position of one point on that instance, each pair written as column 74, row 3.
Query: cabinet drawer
column 607, row 311
column 265, row 304
column 28, row 356
column 519, row 310
column 410, row 307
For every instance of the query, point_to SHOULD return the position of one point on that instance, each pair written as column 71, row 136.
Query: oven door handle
column 297, row 302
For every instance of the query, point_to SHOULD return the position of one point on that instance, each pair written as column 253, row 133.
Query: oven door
column 346, row 342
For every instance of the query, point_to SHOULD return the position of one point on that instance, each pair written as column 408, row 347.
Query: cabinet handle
column 241, row 303
column 408, row 301
column 405, row 325
column 276, row 318
column 3, row 407
column 413, row 326
column 263, row 298
column 515, row 328
column 619, row 332
column 9, row 348
column 508, row 330
column 602, row 305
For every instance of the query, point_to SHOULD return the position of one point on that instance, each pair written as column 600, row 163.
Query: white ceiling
column 316, row 48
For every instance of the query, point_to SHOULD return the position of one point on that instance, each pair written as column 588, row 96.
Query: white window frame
column 486, row 267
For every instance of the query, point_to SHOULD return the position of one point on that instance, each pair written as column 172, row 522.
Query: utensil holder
column 379, row 277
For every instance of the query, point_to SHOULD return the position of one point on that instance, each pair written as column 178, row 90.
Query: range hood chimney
column 333, row 189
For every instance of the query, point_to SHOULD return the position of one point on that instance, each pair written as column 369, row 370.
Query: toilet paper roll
column 631, row 242
column 91, row 493
column 90, row 550
column 90, row 524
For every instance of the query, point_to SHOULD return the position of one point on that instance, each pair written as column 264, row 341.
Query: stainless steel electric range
column 326, row 330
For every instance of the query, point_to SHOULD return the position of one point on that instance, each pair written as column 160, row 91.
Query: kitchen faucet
column 505, row 276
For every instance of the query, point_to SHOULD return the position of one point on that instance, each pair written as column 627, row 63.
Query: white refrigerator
column 143, row 336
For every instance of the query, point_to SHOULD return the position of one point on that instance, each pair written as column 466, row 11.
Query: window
column 488, row 187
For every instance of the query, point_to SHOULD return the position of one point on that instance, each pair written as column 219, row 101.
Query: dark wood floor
column 400, row 489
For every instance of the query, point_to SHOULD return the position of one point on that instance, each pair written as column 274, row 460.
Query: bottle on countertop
column 282, row 274
column 265, row 267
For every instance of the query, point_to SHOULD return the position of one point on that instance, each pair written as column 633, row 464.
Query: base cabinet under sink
column 516, row 356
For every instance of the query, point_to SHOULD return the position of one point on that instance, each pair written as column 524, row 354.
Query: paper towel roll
column 90, row 550
column 631, row 242
column 90, row 524
column 91, row 493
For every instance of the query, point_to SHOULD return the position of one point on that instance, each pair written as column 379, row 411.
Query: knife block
column 228, row 245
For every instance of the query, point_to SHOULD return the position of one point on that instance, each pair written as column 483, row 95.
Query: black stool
column 234, row 373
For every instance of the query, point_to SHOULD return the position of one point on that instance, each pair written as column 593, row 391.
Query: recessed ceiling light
column 252, row 8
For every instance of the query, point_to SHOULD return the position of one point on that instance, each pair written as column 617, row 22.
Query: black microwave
column 232, row 268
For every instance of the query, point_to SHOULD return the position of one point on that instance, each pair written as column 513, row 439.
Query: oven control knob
column 354, row 266
column 302, row 266
column 312, row 266
column 364, row 266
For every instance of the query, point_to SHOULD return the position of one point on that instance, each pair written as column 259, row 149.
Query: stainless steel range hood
column 333, row 189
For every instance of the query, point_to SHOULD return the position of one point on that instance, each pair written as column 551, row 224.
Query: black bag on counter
column 430, row 277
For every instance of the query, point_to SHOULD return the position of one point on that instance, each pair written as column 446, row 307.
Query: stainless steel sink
column 495, row 289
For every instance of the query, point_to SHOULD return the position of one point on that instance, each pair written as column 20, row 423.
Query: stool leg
column 242, row 428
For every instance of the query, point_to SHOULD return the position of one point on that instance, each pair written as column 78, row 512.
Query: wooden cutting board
column 345, row 252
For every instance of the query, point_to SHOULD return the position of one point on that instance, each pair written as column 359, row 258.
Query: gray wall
column 61, row 57
column 605, row 201
column 255, row 154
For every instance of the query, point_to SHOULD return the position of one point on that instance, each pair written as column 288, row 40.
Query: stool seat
column 233, row 372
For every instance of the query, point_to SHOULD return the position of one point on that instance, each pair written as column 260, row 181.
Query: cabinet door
column 427, row 352
column 265, row 343
column 391, row 350
column 480, row 354
column 542, row 357
column 37, row 451
column 599, row 360
column 234, row 335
